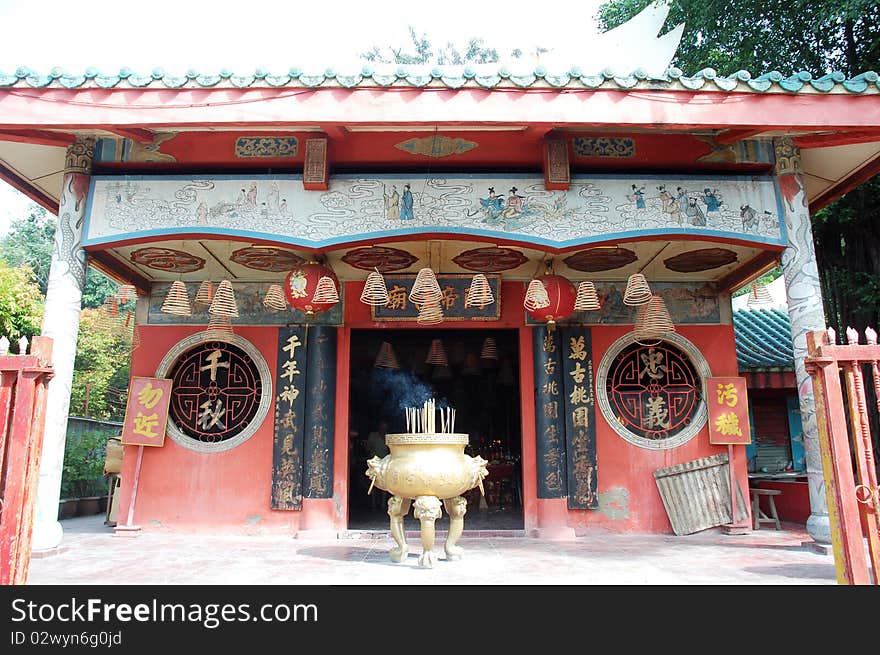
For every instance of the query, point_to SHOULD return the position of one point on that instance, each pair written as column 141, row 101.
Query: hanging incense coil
column 375, row 292
column 425, row 289
column 126, row 293
column 177, row 300
column 587, row 299
column 480, row 293
column 653, row 319
column 490, row 350
column 471, row 366
column 430, row 313
column 536, row 296
column 386, row 357
column 325, row 291
column 205, row 294
column 759, row 296
column 220, row 324
column 637, row 291
column 223, row 303
column 274, row 299
column 437, row 354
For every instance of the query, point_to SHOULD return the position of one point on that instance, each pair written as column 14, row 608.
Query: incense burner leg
column 397, row 509
column 427, row 510
column 456, row 508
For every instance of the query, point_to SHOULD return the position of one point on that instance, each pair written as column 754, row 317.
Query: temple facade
column 247, row 191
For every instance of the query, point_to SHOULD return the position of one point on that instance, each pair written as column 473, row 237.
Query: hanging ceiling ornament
column 375, row 292
column 437, row 354
column 126, row 293
column 479, row 294
column 653, row 319
column 426, row 289
column 560, row 296
column 637, row 291
column 386, row 357
column 220, row 324
column 536, row 296
column 759, row 296
column 587, row 299
column 205, row 294
column 223, row 303
column 301, row 285
column 489, row 350
column 177, row 300
column 430, row 313
column 274, row 299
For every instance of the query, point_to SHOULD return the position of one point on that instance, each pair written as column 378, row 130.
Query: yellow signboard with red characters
column 146, row 412
column 728, row 411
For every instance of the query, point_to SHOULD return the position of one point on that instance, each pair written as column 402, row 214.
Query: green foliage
column 30, row 241
column 767, row 278
column 21, row 303
column 422, row 51
column 102, row 361
column 83, row 471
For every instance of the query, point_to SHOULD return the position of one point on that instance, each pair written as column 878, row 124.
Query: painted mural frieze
column 513, row 207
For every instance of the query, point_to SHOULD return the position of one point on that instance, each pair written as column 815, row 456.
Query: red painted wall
column 182, row 489
column 794, row 502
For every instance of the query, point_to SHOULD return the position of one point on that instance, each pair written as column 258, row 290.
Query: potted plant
column 82, row 478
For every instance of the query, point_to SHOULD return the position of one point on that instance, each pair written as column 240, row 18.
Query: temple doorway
column 476, row 372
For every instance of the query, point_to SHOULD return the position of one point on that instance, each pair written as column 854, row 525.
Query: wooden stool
column 758, row 516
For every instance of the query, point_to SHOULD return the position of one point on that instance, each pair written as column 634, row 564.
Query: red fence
column 839, row 377
column 23, row 380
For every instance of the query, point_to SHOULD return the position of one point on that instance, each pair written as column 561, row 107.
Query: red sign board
column 146, row 412
column 728, row 403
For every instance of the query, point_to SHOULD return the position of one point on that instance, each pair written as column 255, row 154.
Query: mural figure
column 202, row 213
column 491, row 205
column 252, row 195
column 282, row 208
column 514, row 206
column 392, row 204
column 638, row 196
column 712, row 200
column 272, row 198
column 670, row 206
column 695, row 213
column 681, row 197
column 242, row 198
column 406, row 204
column 749, row 217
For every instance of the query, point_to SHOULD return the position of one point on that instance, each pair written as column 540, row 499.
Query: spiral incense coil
column 325, row 291
column 274, row 299
column 490, row 350
column 430, row 313
column 177, row 300
column 480, row 293
column 536, row 296
column 653, row 319
column 386, row 357
column 637, row 291
column 759, row 296
column 437, row 354
column 126, row 293
column 220, row 324
column 375, row 292
column 425, row 288
column 587, row 299
column 205, row 294
column 223, row 303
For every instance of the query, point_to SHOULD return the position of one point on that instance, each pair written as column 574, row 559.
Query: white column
column 804, row 292
column 61, row 322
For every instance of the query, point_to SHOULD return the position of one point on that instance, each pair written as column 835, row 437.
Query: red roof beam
column 732, row 136
column 837, row 139
column 137, row 134
column 37, row 137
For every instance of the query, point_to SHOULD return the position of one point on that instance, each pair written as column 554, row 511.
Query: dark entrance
column 390, row 370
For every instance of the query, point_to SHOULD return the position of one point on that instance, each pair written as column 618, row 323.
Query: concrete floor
column 92, row 554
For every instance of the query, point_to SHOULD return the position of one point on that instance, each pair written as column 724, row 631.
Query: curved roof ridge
column 763, row 339
column 486, row 76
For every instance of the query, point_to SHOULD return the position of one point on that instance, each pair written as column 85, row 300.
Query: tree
column 21, row 303
column 818, row 36
column 30, row 241
column 422, row 52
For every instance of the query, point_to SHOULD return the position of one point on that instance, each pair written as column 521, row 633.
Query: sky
column 275, row 35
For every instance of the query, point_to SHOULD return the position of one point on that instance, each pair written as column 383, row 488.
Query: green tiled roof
column 763, row 339
column 452, row 77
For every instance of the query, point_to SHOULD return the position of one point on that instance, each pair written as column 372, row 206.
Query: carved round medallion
column 266, row 258
column 381, row 258
column 490, row 260
column 167, row 259
column 220, row 394
column 700, row 260
column 652, row 394
column 600, row 259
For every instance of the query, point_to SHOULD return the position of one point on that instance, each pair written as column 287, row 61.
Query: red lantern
column 562, row 295
column 299, row 287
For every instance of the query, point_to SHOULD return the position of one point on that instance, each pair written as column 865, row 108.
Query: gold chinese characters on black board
column 287, row 456
column 454, row 288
